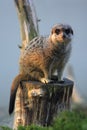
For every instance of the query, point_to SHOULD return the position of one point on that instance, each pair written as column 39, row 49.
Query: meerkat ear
column 72, row 32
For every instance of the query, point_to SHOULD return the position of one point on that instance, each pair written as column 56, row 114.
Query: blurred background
column 50, row 12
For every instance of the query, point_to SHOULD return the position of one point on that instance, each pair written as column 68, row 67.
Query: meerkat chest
column 60, row 57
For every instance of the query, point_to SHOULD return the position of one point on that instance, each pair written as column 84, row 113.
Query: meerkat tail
column 14, row 88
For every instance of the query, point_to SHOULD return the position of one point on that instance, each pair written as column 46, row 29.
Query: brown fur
column 41, row 58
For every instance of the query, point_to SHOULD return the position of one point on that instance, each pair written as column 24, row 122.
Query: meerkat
column 42, row 56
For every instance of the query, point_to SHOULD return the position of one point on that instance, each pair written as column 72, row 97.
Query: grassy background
column 74, row 120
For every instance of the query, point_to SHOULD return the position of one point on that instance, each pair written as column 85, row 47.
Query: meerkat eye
column 57, row 31
column 67, row 31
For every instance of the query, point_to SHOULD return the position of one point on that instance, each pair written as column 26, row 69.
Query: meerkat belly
column 55, row 67
column 57, row 63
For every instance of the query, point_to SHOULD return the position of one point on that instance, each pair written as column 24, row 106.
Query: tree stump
column 39, row 103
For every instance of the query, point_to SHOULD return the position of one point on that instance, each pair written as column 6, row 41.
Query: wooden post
column 40, row 103
column 28, row 29
column 28, row 21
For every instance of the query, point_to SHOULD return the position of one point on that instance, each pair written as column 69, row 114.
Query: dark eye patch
column 57, row 31
column 67, row 31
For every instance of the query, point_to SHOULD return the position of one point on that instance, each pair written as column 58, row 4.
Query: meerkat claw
column 44, row 80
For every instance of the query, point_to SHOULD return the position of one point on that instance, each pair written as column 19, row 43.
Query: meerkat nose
column 64, row 36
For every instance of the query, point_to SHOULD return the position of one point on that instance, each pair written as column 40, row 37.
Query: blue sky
column 73, row 12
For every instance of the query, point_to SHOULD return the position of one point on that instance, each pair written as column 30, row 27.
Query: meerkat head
column 61, row 33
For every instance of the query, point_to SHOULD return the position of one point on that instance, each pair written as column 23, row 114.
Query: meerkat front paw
column 44, row 80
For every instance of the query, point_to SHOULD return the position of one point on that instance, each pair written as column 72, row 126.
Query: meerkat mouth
column 64, row 41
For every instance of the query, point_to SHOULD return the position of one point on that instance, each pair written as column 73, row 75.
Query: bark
column 41, row 103
column 28, row 21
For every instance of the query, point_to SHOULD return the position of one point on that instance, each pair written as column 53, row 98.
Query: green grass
column 71, row 121
column 75, row 120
